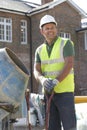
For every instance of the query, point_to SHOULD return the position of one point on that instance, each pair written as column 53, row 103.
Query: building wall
column 81, row 65
column 45, row 1
column 22, row 51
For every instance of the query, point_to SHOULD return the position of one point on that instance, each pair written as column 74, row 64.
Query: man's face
column 49, row 31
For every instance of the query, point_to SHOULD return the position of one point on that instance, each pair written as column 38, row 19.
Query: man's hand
column 51, row 85
column 45, row 81
column 48, row 83
column 55, row 82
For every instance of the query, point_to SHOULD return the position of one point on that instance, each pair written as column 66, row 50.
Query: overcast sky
column 81, row 3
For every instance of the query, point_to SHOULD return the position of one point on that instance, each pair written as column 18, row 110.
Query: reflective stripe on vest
column 52, row 66
column 55, row 73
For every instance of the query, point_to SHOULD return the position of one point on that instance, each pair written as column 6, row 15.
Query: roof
column 56, row 3
column 81, row 29
column 31, row 3
column 16, row 6
column 29, row 8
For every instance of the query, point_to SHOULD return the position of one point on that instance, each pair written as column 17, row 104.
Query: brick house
column 24, row 35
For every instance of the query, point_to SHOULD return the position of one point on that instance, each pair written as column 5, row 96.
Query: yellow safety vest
column 52, row 66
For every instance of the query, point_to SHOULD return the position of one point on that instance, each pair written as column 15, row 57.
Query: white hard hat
column 47, row 19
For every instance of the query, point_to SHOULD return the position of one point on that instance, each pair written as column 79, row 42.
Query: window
column 23, row 32
column 85, row 37
column 5, row 29
column 65, row 35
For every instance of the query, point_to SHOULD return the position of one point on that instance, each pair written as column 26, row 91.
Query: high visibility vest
column 52, row 66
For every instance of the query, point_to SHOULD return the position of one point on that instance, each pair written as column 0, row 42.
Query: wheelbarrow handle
column 48, row 102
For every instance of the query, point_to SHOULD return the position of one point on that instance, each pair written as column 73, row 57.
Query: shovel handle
column 48, row 102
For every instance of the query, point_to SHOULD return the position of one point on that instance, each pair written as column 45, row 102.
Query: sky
column 82, row 3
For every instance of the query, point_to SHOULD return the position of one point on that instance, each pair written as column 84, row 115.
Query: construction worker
column 53, row 68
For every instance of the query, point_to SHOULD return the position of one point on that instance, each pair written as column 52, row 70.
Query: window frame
column 24, row 32
column 6, row 30
column 65, row 35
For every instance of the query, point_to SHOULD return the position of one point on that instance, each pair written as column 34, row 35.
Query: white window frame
column 23, row 32
column 85, row 39
column 5, row 29
column 65, row 35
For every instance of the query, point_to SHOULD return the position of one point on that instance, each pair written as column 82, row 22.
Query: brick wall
column 81, row 66
column 45, row 1
column 22, row 51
